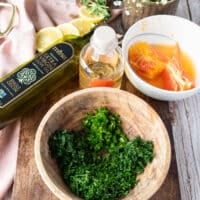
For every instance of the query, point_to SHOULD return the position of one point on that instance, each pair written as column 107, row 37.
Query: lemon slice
column 83, row 25
column 48, row 37
column 68, row 30
column 86, row 14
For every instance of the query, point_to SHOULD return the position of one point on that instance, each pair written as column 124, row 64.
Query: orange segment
column 146, row 60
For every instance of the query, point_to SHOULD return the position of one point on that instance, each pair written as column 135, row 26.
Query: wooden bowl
column 138, row 118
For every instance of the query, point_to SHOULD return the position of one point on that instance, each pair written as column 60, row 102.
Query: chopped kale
column 99, row 162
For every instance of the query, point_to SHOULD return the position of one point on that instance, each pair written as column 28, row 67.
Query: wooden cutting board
column 28, row 183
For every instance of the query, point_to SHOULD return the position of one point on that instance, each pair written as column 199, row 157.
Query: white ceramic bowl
column 185, row 32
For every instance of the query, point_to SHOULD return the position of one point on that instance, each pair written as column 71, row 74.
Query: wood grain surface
column 138, row 119
column 186, row 125
column 181, row 119
column 28, row 183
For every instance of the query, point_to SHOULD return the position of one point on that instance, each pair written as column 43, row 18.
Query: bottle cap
column 104, row 39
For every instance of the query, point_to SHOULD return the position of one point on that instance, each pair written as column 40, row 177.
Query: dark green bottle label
column 33, row 72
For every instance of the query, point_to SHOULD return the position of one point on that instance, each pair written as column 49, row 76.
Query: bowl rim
column 125, row 44
column 37, row 144
column 159, row 3
column 171, row 17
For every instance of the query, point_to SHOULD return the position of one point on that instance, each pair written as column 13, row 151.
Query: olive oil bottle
column 23, row 87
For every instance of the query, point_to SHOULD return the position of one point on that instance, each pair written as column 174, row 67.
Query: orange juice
column 163, row 66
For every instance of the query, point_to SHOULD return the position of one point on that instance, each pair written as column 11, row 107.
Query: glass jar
column 101, row 61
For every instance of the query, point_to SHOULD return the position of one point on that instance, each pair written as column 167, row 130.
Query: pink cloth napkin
column 17, row 47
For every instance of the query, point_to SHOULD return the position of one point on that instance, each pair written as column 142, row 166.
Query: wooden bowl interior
column 138, row 118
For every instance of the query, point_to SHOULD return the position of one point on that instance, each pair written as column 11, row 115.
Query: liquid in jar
column 101, row 61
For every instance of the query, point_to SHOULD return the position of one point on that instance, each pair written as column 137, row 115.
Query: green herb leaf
column 100, row 162
column 97, row 7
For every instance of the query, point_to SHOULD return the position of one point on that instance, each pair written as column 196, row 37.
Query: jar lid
column 104, row 39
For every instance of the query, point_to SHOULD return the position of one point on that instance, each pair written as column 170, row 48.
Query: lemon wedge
column 85, row 13
column 83, row 25
column 68, row 30
column 48, row 37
